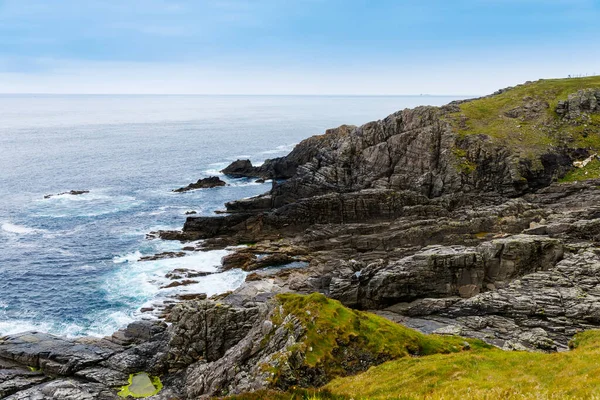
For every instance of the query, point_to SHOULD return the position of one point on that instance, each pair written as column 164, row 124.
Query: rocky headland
column 457, row 230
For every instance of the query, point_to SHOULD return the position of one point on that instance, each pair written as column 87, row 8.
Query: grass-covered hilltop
column 539, row 118
column 439, row 253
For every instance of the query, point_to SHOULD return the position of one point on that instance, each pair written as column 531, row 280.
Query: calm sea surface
column 70, row 264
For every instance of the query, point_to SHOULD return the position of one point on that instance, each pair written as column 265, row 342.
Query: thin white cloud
column 193, row 78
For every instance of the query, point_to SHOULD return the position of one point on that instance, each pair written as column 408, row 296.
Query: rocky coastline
column 430, row 217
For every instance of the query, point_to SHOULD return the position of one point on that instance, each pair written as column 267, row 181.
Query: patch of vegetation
column 298, row 394
column 141, row 385
column 339, row 341
column 483, row 374
column 590, row 171
column 465, row 166
column 435, row 368
column 523, row 118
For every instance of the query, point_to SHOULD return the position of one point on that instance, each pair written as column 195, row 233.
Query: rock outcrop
column 205, row 183
column 44, row 366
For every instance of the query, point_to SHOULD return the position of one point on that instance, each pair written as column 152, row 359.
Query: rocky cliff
column 471, row 219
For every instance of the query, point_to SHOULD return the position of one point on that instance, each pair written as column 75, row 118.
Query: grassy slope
column 591, row 171
column 429, row 366
column 484, row 374
column 338, row 341
column 535, row 136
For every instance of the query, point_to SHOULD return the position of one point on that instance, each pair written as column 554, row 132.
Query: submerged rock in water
column 206, row 183
column 163, row 255
column 71, row 192
column 184, row 282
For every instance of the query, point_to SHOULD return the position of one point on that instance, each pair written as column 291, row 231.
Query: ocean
column 70, row 265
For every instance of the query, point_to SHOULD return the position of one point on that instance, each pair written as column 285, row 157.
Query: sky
column 328, row 47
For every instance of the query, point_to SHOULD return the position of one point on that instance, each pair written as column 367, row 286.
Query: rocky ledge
column 474, row 219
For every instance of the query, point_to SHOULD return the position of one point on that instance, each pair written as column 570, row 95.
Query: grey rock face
column 36, row 366
column 52, row 354
column 579, row 104
column 541, row 310
column 277, row 168
column 205, row 330
column 66, row 389
column 241, row 369
column 440, row 271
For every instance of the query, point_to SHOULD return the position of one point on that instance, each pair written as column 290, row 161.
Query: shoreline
column 418, row 218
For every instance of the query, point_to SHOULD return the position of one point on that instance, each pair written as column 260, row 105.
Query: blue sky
column 293, row 46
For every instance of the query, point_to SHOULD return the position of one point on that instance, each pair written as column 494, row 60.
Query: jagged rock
column 205, row 183
column 579, row 104
column 440, row 271
column 237, row 260
column 53, row 354
column 251, row 261
column 15, row 377
column 205, row 330
column 241, row 169
column 249, row 355
column 185, row 282
column 191, row 296
column 66, row 389
column 277, row 168
column 184, row 273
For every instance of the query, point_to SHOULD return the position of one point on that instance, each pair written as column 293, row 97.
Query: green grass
column 426, row 366
column 483, row 374
column 533, row 137
column 339, row 341
column 590, row 171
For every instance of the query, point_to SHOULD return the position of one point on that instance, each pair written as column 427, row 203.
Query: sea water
column 70, row 265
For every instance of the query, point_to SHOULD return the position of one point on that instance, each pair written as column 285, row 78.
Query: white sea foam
column 86, row 268
column 20, row 325
column 245, row 183
column 286, row 148
column 85, row 205
column 16, row 326
column 221, row 164
column 216, row 283
column 213, row 172
column 127, row 258
column 108, row 322
column 140, row 282
column 18, row 229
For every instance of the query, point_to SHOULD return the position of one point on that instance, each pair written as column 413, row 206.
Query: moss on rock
column 338, row 341
column 141, row 385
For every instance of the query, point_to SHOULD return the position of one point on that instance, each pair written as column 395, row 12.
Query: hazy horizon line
column 240, row 94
